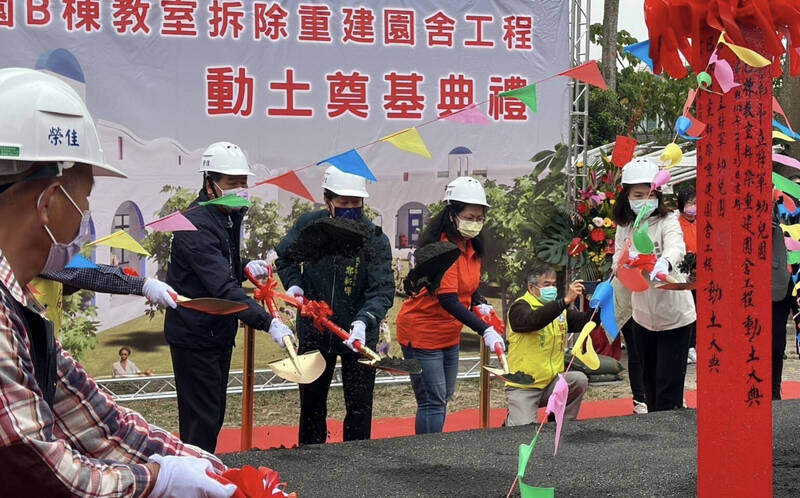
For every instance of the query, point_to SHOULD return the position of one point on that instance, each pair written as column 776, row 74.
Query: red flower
column 582, row 208
column 597, row 235
column 609, row 195
column 576, row 247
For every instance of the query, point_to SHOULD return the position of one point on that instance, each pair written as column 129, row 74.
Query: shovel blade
column 394, row 365
column 515, row 378
column 213, row 305
column 311, row 367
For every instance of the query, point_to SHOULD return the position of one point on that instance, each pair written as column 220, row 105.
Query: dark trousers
column 634, row 363
column 663, row 357
column 693, row 331
column 780, row 315
column 201, row 379
column 358, row 384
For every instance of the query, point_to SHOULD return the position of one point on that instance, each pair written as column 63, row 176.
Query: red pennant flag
column 697, row 127
column 623, row 151
column 588, row 73
column 290, row 182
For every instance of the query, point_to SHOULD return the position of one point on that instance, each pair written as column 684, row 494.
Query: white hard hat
column 639, row 170
column 225, row 158
column 467, row 190
column 346, row 184
column 45, row 120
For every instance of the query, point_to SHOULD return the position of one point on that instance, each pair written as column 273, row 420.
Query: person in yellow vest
column 538, row 325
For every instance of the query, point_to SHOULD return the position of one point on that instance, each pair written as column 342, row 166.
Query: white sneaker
column 639, row 408
column 692, row 358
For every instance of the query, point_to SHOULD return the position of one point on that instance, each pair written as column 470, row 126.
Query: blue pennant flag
column 604, row 298
column 79, row 261
column 641, row 51
column 351, row 162
column 785, row 129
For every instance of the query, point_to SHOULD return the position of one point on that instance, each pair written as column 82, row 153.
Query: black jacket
column 207, row 263
column 360, row 288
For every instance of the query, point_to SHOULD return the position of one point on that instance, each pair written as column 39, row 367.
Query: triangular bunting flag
column 120, row 240
column 351, row 162
column 290, row 182
column 724, row 75
column 793, row 257
column 526, row 94
column 527, row 491
column 587, row 72
column 792, row 230
column 175, row 222
column 784, row 129
column 786, row 186
column 230, row 200
column 787, row 160
column 781, row 136
column 525, row 451
column 470, row 115
column 776, row 107
column 749, row 57
column 556, row 404
column 689, row 101
column 641, row 51
column 79, row 261
column 408, row 140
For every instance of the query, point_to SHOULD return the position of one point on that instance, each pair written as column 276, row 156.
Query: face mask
column 690, row 211
column 61, row 254
column 639, row 204
column 349, row 213
column 237, row 191
column 548, row 294
column 469, row 229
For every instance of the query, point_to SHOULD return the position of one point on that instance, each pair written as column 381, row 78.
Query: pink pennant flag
column 689, row 101
column 175, row 222
column 776, row 107
column 469, row 115
column 661, row 178
column 557, row 404
column 788, row 161
column 791, row 244
column 724, row 75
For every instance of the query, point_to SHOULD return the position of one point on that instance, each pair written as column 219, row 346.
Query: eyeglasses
column 479, row 219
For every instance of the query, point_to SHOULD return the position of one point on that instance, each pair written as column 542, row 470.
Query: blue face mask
column 349, row 213
column 547, row 294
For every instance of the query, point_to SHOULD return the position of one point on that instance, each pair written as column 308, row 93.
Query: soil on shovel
column 399, row 364
column 519, row 378
column 432, row 261
column 327, row 237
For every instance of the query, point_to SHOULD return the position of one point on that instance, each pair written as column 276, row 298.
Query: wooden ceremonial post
column 485, row 393
column 247, row 388
column 734, row 194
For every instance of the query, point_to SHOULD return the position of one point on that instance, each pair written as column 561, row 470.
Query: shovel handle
column 287, row 342
column 501, row 356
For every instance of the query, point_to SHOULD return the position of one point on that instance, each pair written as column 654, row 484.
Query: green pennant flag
column 785, row 185
column 534, row 492
column 526, row 94
column 641, row 233
column 230, row 200
column 525, row 451
column 793, row 257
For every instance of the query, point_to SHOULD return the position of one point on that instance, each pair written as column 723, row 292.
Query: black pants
column 358, row 381
column 663, row 356
column 693, row 331
column 201, row 378
column 634, row 363
column 780, row 315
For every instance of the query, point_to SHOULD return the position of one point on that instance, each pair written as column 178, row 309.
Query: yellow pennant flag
column 792, row 230
column 408, row 140
column 589, row 358
column 749, row 57
column 782, row 136
column 120, row 240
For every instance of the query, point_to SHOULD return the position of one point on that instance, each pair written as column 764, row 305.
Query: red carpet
column 286, row 436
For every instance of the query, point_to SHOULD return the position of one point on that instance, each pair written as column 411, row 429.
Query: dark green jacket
column 360, row 288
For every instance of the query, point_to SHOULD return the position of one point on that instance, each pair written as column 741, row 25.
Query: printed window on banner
column 121, row 257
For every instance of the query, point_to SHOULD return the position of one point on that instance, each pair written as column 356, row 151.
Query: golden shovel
column 302, row 369
column 504, row 373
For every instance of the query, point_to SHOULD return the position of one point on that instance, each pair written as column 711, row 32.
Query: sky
column 631, row 19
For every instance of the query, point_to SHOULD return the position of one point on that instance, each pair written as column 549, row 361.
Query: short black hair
column 685, row 196
column 212, row 176
column 329, row 195
column 624, row 215
column 124, row 348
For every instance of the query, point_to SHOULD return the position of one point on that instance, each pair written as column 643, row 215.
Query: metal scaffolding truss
column 163, row 386
column 577, row 136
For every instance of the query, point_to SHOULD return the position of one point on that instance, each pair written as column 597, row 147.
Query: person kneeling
column 538, row 324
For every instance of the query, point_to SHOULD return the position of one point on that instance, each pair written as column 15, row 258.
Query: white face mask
column 639, row 204
column 61, row 254
column 237, row 191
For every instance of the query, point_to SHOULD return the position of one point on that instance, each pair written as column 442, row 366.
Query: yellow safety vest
column 539, row 354
column 49, row 294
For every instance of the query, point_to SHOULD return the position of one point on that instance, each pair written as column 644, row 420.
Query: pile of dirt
column 327, row 237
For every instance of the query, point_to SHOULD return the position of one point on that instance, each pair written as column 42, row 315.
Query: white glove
column 258, row 268
column 295, row 292
column 358, row 332
column 661, row 266
column 484, row 309
column 278, row 330
column 157, row 292
column 491, row 337
column 181, row 476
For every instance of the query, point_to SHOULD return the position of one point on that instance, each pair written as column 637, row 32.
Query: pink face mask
column 690, row 210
